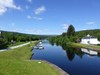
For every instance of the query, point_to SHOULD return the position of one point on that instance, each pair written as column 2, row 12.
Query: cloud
column 65, row 26
column 29, row 17
column 37, row 18
column 90, row 23
column 5, row 4
column 2, row 10
column 40, row 10
column 29, row 1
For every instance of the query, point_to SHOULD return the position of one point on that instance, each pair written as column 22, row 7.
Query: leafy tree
column 71, row 31
column 3, row 43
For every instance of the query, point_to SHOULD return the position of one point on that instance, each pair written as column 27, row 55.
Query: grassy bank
column 94, row 47
column 16, row 62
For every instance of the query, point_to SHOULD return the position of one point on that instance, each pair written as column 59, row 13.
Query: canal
column 75, row 61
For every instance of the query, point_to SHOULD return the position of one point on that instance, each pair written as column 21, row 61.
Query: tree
column 3, row 43
column 71, row 31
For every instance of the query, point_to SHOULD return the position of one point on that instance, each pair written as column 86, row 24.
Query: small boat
column 39, row 46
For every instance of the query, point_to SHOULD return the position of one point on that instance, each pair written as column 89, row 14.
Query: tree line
column 13, row 37
column 73, row 36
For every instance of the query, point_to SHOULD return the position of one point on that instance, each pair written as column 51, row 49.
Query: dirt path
column 15, row 47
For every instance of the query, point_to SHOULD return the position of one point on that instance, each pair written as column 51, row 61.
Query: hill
column 8, row 38
column 94, row 32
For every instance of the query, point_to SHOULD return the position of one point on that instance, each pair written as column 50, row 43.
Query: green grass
column 16, row 62
column 94, row 47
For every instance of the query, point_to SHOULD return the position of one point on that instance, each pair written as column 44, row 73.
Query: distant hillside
column 95, row 32
column 16, row 36
column 7, row 33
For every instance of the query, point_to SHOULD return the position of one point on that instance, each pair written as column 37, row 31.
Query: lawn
column 94, row 47
column 17, row 62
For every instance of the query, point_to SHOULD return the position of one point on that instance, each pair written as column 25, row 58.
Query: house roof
column 88, row 37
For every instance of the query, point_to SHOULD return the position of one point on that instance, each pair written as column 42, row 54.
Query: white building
column 90, row 40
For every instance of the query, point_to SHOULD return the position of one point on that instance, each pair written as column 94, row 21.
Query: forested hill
column 94, row 32
column 15, row 36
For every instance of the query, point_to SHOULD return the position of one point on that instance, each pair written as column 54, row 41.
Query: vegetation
column 10, row 38
column 71, row 31
column 93, row 47
column 73, row 38
column 16, row 62
column 19, row 36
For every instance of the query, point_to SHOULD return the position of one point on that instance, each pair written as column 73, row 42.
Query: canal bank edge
column 18, row 59
column 92, row 47
column 58, row 68
column 62, row 72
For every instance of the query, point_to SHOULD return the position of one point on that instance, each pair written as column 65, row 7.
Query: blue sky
column 49, row 16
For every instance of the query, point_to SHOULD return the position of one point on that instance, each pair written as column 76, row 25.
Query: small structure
column 90, row 40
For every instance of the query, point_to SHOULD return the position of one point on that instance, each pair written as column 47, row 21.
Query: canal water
column 72, row 60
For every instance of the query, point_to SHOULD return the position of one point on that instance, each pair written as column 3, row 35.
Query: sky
column 49, row 17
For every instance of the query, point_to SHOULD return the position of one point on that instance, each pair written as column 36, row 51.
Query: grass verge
column 16, row 62
column 93, row 47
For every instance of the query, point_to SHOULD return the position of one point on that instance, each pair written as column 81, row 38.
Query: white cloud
column 2, row 10
column 37, row 18
column 90, row 23
column 40, row 10
column 65, row 26
column 29, row 17
column 29, row 1
column 5, row 4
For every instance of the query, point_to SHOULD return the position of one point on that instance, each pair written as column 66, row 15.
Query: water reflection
column 71, row 52
column 70, row 59
column 89, row 51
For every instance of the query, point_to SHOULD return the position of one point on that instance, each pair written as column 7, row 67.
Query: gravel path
column 15, row 47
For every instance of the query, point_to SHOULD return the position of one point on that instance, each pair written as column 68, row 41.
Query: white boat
column 39, row 46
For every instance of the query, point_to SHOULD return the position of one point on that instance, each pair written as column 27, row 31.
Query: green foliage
column 71, row 31
column 95, row 32
column 72, row 36
column 19, row 36
column 13, row 37
column 3, row 43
